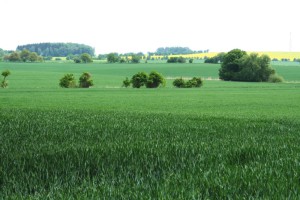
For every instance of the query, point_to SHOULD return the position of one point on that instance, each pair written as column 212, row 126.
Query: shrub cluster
column 68, row 81
column 192, row 83
column 5, row 74
column 23, row 56
column 153, row 80
column 239, row 66
column 176, row 60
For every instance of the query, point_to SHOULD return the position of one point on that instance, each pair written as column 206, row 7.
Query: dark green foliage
column 24, row 55
column 77, row 59
column 5, row 74
column 216, row 59
column 126, row 82
column 191, row 60
column 275, row 78
column 135, row 58
column 154, row 80
column 179, row 82
column 86, row 58
column 238, row 66
column 67, row 81
column 113, row 58
column 192, row 83
column 58, row 49
column 122, row 60
column 14, row 57
column 138, row 80
column 176, row 60
column 85, row 80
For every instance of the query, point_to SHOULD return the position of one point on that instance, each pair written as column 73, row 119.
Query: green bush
column 126, row 82
column 67, row 81
column 85, row 80
column 5, row 74
column 275, row 78
column 179, row 82
column 192, row 83
column 154, row 80
column 140, row 79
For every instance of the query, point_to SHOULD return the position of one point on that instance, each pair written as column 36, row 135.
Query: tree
column 126, row 82
column 135, row 58
column 191, row 60
column 176, row 60
column 230, row 65
column 239, row 66
column 138, row 80
column 112, row 58
column 154, row 80
column 192, row 83
column 77, row 59
column 86, row 58
column 24, row 55
column 179, row 82
column 5, row 74
column 85, row 80
column 14, row 57
column 33, row 57
column 67, row 81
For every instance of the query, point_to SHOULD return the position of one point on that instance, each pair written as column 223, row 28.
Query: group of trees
column 176, row 50
column 58, row 49
column 215, row 59
column 115, row 57
column 176, row 60
column 4, row 82
column 194, row 82
column 68, row 81
column 237, row 65
column 153, row 80
column 83, row 58
column 23, row 56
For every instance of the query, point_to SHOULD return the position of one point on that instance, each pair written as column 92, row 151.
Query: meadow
column 225, row 140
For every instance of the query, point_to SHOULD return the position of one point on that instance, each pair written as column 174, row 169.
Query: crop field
column 225, row 140
column 273, row 55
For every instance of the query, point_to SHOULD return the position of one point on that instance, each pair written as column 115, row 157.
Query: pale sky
column 139, row 25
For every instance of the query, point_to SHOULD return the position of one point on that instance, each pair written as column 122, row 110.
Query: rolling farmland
column 225, row 140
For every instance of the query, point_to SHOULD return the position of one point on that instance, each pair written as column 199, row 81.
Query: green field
column 225, row 140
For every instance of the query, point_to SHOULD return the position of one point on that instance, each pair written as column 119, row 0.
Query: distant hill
column 58, row 49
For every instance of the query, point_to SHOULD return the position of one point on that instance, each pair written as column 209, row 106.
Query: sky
column 143, row 26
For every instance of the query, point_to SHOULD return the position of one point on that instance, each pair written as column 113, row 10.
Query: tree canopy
column 239, row 66
column 58, row 49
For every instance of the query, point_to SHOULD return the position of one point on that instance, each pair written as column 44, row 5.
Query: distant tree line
column 58, row 49
column 23, row 56
column 176, row 51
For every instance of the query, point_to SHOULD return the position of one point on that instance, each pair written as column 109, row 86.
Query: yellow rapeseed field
column 272, row 55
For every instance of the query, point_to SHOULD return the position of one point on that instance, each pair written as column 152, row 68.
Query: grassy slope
column 226, row 139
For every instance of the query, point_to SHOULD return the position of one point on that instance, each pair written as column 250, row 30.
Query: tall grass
column 88, row 154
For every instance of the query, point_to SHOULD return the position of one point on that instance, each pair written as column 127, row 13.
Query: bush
column 140, row 79
column 176, row 60
column 67, row 81
column 192, row 83
column 191, row 60
column 238, row 66
column 77, row 60
column 126, row 82
column 154, row 80
column 179, row 82
column 5, row 74
column 275, row 78
column 85, row 80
